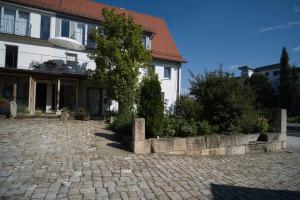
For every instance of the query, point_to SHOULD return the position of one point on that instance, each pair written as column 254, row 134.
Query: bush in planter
column 252, row 122
column 204, row 128
column 178, row 127
column 83, row 114
column 225, row 99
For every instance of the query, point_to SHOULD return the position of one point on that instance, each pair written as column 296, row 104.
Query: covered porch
column 50, row 93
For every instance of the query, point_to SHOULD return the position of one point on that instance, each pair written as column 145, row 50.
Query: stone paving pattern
column 51, row 159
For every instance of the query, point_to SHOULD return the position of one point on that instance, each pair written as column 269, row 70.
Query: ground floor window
column 11, row 56
column 6, row 90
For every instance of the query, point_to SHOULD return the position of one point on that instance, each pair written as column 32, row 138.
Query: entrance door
column 41, row 96
column 94, row 102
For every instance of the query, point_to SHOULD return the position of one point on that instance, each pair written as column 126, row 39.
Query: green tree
column 118, row 55
column 188, row 108
column 225, row 99
column 287, row 81
column 264, row 93
column 151, row 106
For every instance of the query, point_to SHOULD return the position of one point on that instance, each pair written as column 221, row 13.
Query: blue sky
column 231, row 32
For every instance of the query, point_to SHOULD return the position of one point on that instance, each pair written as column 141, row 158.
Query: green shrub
column 151, row 105
column 186, row 107
column 252, row 122
column 186, row 128
column 169, row 127
column 204, row 128
column 179, row 127
column 122, row 123
column 225, row 99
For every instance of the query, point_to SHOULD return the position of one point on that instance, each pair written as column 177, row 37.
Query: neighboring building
column 42, row 76
column 272, row 72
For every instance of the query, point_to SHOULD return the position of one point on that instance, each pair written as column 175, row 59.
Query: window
column 163, row 97
column 11, row 56
column 80, row 33
column 45, row 27
column 65, row 28
column 167, row 72
column 71, row 59
column 22, row 25
column 275, row 73
column 144, row 41
column 267, row 73
column 8, row 25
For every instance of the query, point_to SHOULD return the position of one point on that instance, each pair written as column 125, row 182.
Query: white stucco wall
column 168, row 86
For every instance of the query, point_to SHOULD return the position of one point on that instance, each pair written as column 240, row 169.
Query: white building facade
column 271, row 72
column 42, row 76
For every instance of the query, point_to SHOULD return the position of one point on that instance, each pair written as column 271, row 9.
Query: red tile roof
column 163, row 45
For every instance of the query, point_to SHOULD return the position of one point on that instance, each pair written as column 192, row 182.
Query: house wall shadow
column 224, row 192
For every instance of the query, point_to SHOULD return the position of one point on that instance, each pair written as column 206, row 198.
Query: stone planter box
column 236, row 144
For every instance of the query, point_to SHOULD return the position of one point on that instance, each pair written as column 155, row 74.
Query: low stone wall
column 213, row 144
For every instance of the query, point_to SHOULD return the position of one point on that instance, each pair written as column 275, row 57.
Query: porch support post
column 76, row 94
column 31, row 95
column 15, row 92
column 57, row 95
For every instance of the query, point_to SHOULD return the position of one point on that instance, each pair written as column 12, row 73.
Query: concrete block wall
column 235, row 144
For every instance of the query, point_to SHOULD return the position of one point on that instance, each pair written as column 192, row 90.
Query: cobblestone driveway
column 49, row 159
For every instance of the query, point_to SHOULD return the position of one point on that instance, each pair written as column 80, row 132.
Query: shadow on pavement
column 115, row 140
column 234, row 192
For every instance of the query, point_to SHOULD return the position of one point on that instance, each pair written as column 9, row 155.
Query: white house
column 43, row 76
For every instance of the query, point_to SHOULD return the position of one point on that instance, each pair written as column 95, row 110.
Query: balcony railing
column 15, row 27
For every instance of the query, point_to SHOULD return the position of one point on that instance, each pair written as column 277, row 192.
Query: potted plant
column 64, row 114
column 83, row 114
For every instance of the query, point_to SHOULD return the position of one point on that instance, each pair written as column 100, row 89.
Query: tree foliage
column 287, row 81
column 225, row 99
column 151, row 105
column 118, row 55
column 187, row 108
column 264, row 94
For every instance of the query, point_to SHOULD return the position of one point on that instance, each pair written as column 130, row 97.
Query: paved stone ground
column 293, row 137
column 50, row 159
